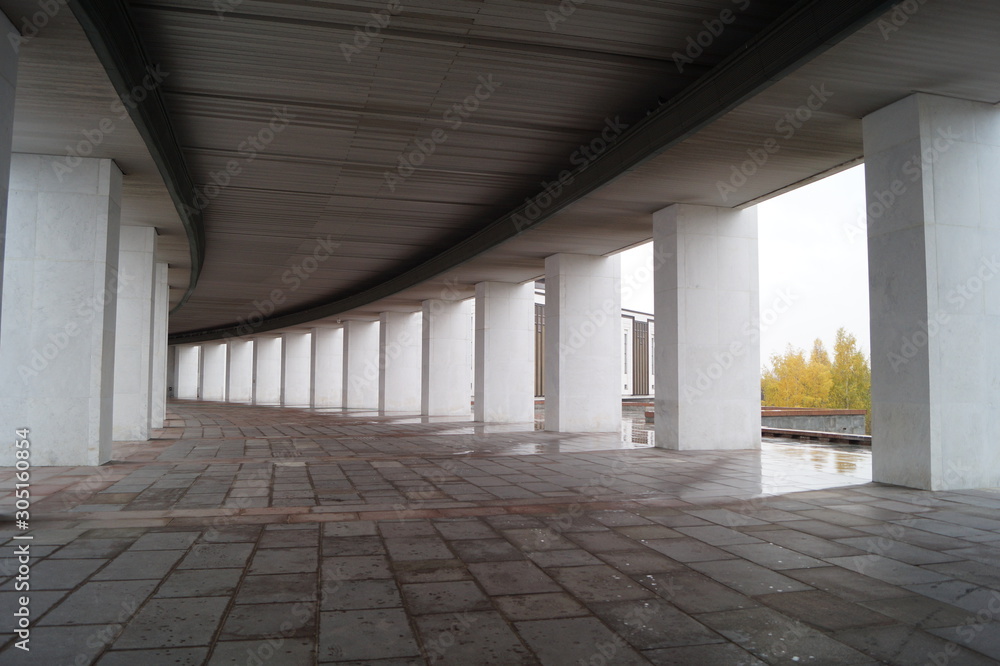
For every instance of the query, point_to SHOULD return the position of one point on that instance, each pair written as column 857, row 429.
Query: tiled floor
column 267, row 536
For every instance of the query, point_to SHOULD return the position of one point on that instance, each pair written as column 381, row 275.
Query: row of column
column 84, row 310
column 83, row 331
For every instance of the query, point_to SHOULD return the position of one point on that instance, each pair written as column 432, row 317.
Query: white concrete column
column 707, row 305
column 583, row 355
column 296, row 369
column 446, row 375
column 188, row 371
column 239, row 371
column 158, row 367
column 932, row 168
column 132, row 411
column 213, row 371
column 327, row 367
column 505, row 352
column 8, row 88
column 59, row 307
column 267, row 370
column 399, row 362
column 361, row 364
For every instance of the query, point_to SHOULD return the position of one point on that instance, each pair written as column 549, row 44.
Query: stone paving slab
column 246, row 535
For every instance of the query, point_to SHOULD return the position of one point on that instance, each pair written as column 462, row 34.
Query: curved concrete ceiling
column 311, row 106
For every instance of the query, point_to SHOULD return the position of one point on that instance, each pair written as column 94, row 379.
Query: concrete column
column 932, row 165
column 188, row 386
column 158, row 367
column 361, row 364
column 267, row 370
column 296, row 369
column 8, row 88
column 505, row 352
column 582, row 352
column 59, row 308
column 327, row 367
column 171, row 372
column 132, row 411
column 239, row 371
column 399, row 362
column 213, row 371
column 707, row 305
column 446, row 375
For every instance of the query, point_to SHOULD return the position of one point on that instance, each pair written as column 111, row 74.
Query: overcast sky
column 812, row 251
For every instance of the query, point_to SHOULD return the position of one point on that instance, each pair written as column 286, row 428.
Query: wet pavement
column 249, row 535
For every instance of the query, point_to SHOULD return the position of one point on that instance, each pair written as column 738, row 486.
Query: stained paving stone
column 846, row 584
column 725, row 653
column 284, row 560
column 653, row 623
column 908, row 645
column 217, row 556
column 807, row 544
column 360, row 595
column 693, row 592
column 164, row 541
column 776, row 558
column 88, row 548
column 777, row 639
column 504, row 578
column 290, row 620
column 174, row 623
column 276, row 588
column 823, row 610
column 583, row 640
column 563, row 558
column 101, row 603
column 357, row 545
column 417, row 548
column 456, row 530
column 539, row 606
column 61, row 645
column 748, row 577
column 60, row 574
column 919, row 611
column 887, row 569
column 687, row 550
column 138, row 565
column 365, row 634
column 446, row 597
column 156, row 657
column 982, row 637
column 200, row 583
column 486, row 550
column 632, row 562
column 599, row 583
column 460, row 639
column 280, row 650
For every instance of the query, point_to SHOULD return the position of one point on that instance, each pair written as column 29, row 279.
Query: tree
column 852, row 376
column 843, row 383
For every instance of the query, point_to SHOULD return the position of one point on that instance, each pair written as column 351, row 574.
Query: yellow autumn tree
column 793, row 381
column 844, row 382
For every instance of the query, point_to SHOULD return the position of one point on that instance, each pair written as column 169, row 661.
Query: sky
column 813, row 254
